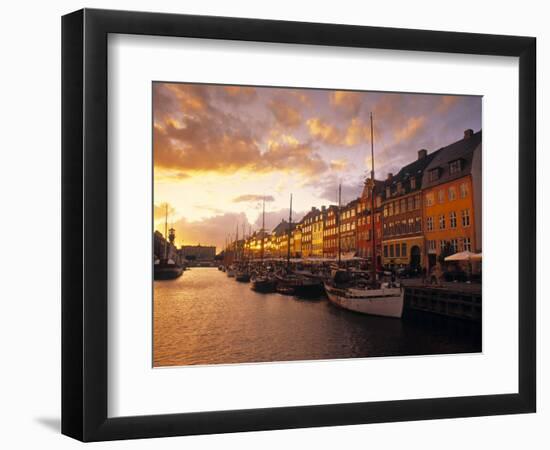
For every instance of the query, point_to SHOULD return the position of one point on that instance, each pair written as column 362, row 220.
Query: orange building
column 452, row 199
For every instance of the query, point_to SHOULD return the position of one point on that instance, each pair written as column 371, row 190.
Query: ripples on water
column 204, row 317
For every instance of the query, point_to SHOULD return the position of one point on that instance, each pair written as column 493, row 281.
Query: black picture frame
column 84, row 224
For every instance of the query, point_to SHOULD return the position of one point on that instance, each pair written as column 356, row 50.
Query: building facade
column 452, row 199
column 198, row 252
column 330, row 232
column 402, row 230
column 365, row 225
column 348, row 227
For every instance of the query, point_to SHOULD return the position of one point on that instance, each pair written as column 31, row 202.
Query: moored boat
column 166, row 270
column 264, row 284
column 352, row 290
column 242, row 275
column 385, row 300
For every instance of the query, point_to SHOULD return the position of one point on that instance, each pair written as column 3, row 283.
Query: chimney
column 468, row 133
column 390, row 176
column 323, row 208
column 422, row 153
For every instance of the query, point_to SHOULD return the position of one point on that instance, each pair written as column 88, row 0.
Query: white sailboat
column 349, row 291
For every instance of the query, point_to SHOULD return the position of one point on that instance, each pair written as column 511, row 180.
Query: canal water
column 204, row 317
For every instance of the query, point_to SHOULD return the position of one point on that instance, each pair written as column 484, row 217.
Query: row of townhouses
column 431, row 205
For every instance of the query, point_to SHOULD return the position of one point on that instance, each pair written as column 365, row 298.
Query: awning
column 460, row 256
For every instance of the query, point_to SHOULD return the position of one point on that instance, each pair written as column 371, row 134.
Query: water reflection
column 204, row 317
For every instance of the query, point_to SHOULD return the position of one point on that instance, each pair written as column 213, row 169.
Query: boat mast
column 338, row 223
column 289, row 232
column 236, row 242
column 166, row 231
column 373, row 255
column 262, row 231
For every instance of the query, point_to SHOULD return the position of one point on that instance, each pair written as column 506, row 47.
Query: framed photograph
column 273, row 224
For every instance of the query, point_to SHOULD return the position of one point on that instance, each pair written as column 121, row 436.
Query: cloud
column 253, row 198
column 191, row 134
column 238, row 94
column 210, row 231
column 347, row 101
column 285, row 114
column 159, row 211
column 411, row 128
column 273, row 218
column 355, row 133
column 327, row 189
column 338, row 164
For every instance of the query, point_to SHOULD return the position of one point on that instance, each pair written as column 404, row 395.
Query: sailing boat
column 166, row 268
column 231, row 268
column 243, row 272
column 264, row 282
column 348, row 291
column 291, row 283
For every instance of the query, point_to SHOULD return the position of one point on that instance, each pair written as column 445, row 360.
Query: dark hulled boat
column 167, row 270
column 264, row 284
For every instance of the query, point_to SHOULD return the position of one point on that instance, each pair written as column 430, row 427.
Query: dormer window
column 413, row 183
column 455, row 166
column 399, row 186
column 387, row 192
column 433, row 174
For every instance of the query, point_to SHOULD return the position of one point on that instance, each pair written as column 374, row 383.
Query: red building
column 364, row 220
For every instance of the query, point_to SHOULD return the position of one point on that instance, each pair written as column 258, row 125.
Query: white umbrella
column 476, row 257
column 460, row 256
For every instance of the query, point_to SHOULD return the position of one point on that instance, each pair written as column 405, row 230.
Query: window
column 452, row 193
column 463, row 190
column 411, row 225
column 441, row 196
column 442, row 245
column 466, row 218
column 404, row 226
column 442, row 221
column 403, row 205
column 452, row 219
column 403, row 249
column 418, row 224
column 390, row 209
column 413, row 183
column 410, row 203
column 397, row 250
column 386, row 211
column 455, row 167
column 391, row 251
column 388, row 192
column 430, row 199
column 454, row 245
column 467, row 244
column 399, row 186
column 431, row 245
column 433, row 174
column 417, row 201
column 429, row 223
column 396, row 208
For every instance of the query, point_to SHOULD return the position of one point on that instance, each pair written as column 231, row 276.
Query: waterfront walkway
column 471, row 288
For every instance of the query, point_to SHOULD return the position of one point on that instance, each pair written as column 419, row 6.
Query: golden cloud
column 349, row 102
column 411, row 128
column 355, row 133
column 285, row 114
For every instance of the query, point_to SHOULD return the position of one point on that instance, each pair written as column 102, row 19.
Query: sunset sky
column 219, row 149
